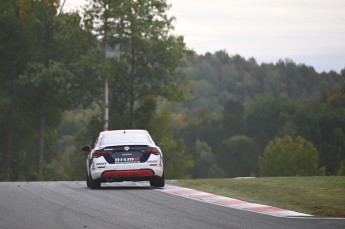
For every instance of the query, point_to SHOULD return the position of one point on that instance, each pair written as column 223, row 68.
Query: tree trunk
column 8, row 153
column 106, row 105
column 41, row 145
column 9, row 146
column 132, row 84
column 106, row 86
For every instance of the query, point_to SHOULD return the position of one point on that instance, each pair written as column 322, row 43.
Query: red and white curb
column 230, row 202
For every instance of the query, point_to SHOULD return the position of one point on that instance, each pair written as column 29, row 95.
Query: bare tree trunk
column 132, row 84
column 106, row 85
column 8, row 154
column 41, row 145
column 106, row 105
column 9, row 146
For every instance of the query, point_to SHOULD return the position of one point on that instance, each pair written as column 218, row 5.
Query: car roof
column 131, row 131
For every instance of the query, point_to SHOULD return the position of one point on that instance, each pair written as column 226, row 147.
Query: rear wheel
column 87, row 180
column 93, row 184
column 157, row 182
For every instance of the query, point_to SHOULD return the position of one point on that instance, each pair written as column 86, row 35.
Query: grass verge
column 320, row 196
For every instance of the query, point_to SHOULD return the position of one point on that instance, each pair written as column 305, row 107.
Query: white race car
column 124, row 155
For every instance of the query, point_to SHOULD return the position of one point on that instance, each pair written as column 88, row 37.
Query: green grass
column 320, row 196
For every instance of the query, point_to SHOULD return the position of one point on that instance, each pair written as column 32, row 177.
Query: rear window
column 124, row 139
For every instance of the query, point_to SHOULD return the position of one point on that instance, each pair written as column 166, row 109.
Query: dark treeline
column 215, row 113
column 237, row 107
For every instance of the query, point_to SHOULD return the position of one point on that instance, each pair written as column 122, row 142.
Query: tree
column 205, row 163
column 238, row 156
column 287, row 157
column 47, row 85
column 176, row 162
column 149, row 56
column 341, row 168
column 13, row 55
column 332, row 130
column 233, row 118
column 38, row 56
column 268, row 117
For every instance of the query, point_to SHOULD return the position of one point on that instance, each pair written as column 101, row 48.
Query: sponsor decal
column 127, row 160
column 152, row 161
column 101, row 165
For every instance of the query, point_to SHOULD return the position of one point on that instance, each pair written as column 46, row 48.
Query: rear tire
column 157, row 182
column 94, row 184
column 87, row 180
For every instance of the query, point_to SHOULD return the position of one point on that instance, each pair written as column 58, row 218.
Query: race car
column 124, row 155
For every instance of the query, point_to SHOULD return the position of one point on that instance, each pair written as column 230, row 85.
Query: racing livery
column 124, row 155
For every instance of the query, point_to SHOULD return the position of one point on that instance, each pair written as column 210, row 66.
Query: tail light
column 154, row 151
column 97, row 154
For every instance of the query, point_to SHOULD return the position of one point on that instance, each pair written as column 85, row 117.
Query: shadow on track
column 125, row 187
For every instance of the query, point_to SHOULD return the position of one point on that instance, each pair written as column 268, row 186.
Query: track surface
column 126, row 205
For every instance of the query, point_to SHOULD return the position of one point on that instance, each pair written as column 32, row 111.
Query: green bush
column 288, row 157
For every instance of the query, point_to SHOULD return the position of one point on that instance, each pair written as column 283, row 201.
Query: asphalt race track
column 45, row 205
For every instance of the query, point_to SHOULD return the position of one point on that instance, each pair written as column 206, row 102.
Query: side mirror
column 86, row 148
column 159, row 144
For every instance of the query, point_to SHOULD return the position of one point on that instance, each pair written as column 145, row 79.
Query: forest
column 217, row 114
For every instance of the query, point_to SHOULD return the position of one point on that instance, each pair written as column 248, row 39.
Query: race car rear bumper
column 128, row 173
